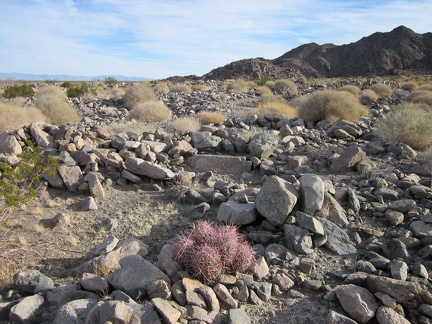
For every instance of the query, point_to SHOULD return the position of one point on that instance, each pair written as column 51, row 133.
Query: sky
column 162, row 38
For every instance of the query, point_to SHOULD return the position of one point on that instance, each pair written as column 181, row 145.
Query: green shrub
column 17, row 184
column 351, row 88
column 150, row 111
column 15, row 115
column 181, row 87
column 285, row 88
column 136, row 94
column 325, row 105
column 52, row 101
column 23, row 90
column 263, row 80
column 66, row 84
column 408, row 123
column 381, row 89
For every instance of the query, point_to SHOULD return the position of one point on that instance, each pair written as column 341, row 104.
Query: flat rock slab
column 220, row 163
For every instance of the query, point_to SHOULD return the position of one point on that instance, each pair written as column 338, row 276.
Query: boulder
column 9, row 144
column 348, row 159
column 358, row 302
column 148, row 169
column 237, row 213
column 220, row 163
column 338, row 241
column 311, row 193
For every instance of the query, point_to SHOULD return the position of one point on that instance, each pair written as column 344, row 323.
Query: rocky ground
column 340, row 222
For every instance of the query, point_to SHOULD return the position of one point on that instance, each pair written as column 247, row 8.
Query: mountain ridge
column 64, row 77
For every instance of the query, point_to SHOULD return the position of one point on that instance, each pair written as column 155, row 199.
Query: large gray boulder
column 205, row 140
column 358, row 302
column 338, row 241
column 311, row 195
column 134, row 276
column 75, row 311
column 276, row 200
column 237, row 213
column 262, row 145
column 9, row 144
column 148, row 169
column 298, row 239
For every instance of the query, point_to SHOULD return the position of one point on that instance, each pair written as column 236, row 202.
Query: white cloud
column 167, row 37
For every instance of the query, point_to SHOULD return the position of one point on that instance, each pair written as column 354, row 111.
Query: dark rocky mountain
column 399, row 51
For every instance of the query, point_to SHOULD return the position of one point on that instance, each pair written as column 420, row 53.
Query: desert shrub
column 210, row 117
column 77, row 91
column 210, row 250
column 408, row 123
column 323, row 105
column 302, row 80
column 161, row 88
column 270, row 84
column 23, row 90
column 132, row 126
column 381, row 89
column 180, row 87
column 351, row 88
column 186, row 124
column 272, row 98
column 238, row 85
column 368, row 96
column 200, row 87
column 15, row 116
column 150, row 111
column 52, row 101
column 66, row 84
column 276, row 109
column 421, row 96
column 138, row 93
column 410, row 85
column 427, row 87
column 285, row 88
column 263, row 80
column 264, row 90
column 17, row 183
column 111, row 81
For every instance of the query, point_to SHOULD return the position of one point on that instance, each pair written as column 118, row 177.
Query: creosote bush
column 52, row 101
column 136, row 94
column 381, row 89
column 15, row 115
column 210, row 250
column 331, row 105
column 210, row 117
column 23, row 90
column 150, row 111
column 285, row 88
column 408, row 123
column 180, row 87
column 186, row 124
column 368, row 96
column 351, row 88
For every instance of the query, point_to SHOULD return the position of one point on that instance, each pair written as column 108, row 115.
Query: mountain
column 399, row 51
column 43, row 77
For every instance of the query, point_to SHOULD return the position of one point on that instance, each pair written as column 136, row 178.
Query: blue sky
column 161, row 38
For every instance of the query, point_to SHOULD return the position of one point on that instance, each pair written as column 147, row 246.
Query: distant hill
column 43, row 77
column 399, row 51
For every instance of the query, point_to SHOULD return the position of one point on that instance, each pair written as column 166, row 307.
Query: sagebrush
column 209, row 250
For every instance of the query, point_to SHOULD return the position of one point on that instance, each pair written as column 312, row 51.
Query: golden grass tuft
column 381, row 89
column 351, row 88
column 15, row 116
column 150, row 111
column 200, row 87
column 136, row 94
column 161, row 88
column 186, row 124
column 210, row 117
column 52, row 101
column 285, row 87
column 264, row 90
column 408, row 123
column 238, row 86
column 276, row 108
column 180, row 87
column 324, row 105
column 368, row 96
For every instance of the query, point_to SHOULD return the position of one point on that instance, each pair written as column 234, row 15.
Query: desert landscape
column 293, row 190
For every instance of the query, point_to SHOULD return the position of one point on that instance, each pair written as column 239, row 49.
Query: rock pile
column 325, row 195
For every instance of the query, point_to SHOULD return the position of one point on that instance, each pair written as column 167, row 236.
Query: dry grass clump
column 210, row 250
column 276, row 109
column 408, row 123
column 421, row 96
column 351, row 88
column 210, row 117
column 381, row 89
column 285, row 88
column 52, row 101
column 326, row 105
column 161, row 88
column 200, row 87
column 15, row 116
column 368, row 96
column 132, row 126
column 410, row 85
column 238, row 85
column 181, row 87
column 264, row 90
column 270, row 84
column 136, row 94
column 186, row 124
column 150, row 111
column 427, row 87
